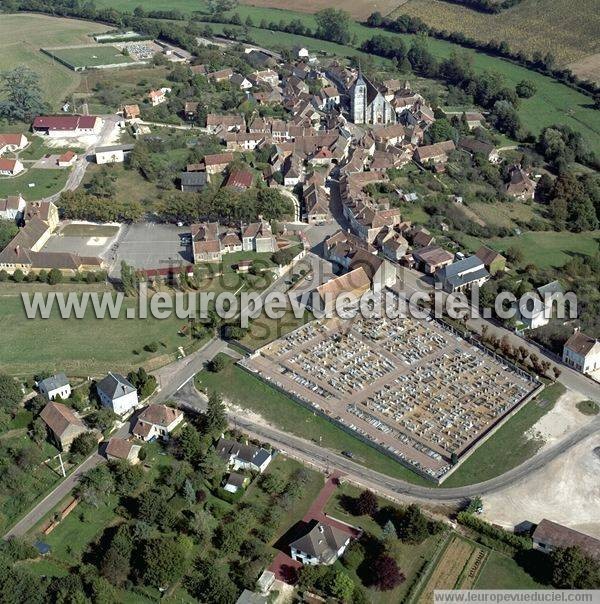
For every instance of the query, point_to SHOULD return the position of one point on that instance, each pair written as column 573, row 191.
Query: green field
column 549, row 249
column 502, row 572
column 91, row 56
column 508, row 446
column 22, row 36
column 241, row 388
column 46, row 182
column 83, row 347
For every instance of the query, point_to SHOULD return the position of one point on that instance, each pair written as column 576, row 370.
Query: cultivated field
column 90, row 56
column 458, row 568
column 22, row 36
column 569, row 30
column 359, row 10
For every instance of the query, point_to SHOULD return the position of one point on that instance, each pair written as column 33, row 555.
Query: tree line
column 544, row 64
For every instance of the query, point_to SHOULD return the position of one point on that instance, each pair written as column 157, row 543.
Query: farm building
column 549, row 535
column 60, row 126
column 68, row 158
column 63, row 425
column 113, row 154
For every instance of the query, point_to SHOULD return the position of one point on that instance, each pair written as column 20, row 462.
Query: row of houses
column 211, row 240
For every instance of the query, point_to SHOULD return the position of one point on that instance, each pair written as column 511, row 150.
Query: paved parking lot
column 150, row 246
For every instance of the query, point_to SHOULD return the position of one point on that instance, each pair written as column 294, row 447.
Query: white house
column 117, row 393
column 462, row 274
column 113, row 154
column 322, row 544
column 55, row 386
column 10, row 167
column 581, row 352
column 157, row 421
column 532, row 312
column 12, row 207
column 156, row 97
column 12, row 142
column 242, row 456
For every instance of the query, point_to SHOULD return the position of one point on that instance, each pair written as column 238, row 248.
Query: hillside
column 568, row 30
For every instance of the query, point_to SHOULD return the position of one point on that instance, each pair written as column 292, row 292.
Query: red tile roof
column 64, row 122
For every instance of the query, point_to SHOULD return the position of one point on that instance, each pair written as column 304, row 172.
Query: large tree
column 333, row 24
column 10, row 392
column 22, row 96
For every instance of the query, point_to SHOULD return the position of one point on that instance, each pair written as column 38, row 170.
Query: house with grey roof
column 321, row 544
column 55, row 386
column 243, row 456
column 463, row 274
column 117, row 393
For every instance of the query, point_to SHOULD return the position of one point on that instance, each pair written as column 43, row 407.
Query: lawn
column 45, row 183
column 264, row 330
column 91, row 56
column 506, row 214
column 82, row 347
column 588, row 407
column 508, row 446
column 241, row 388
column 548, row 249
column 502, row 572
column 82, row 526
column 22, row 36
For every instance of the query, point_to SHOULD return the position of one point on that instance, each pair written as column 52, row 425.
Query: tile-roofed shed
column 59, row 417
column 553, row 535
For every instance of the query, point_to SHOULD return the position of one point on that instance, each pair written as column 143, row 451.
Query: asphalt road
column 315, row 454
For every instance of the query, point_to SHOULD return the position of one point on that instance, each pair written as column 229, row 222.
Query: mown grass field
column 46, row 182
column 82, row 347
column 502, row 572
column 545, row 249
column 91, row 56
column 569, row 30
column 22, row 36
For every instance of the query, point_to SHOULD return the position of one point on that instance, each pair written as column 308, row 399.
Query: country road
column 313, row 453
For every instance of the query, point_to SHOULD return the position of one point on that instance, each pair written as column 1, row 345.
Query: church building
column 368, row 105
